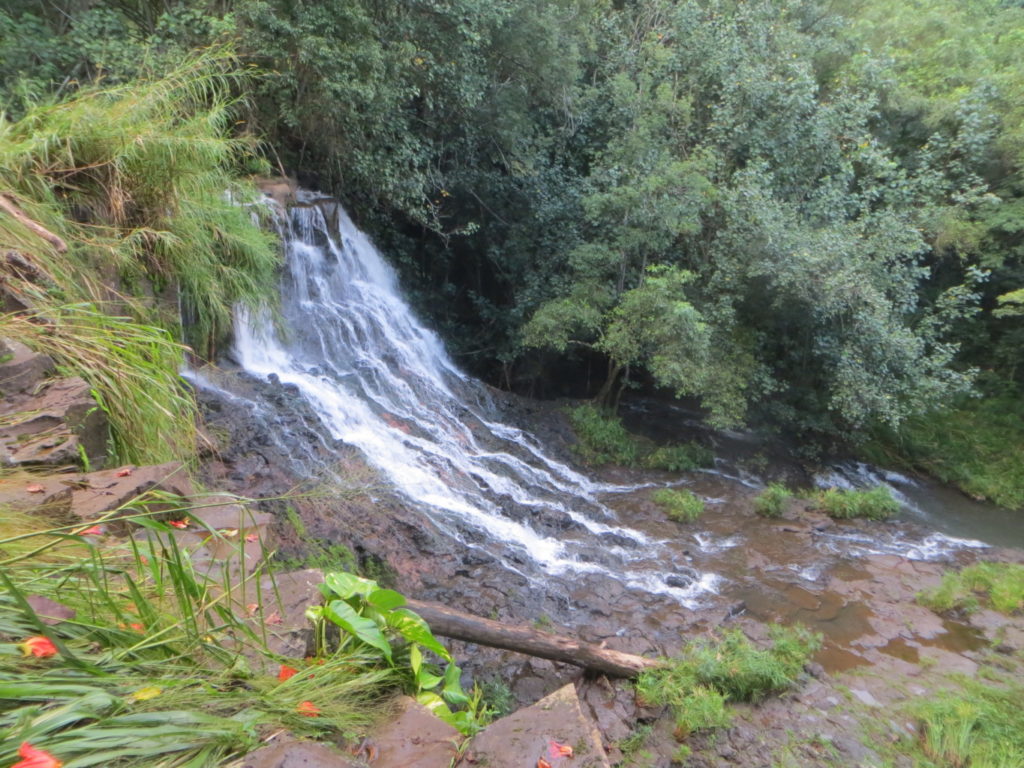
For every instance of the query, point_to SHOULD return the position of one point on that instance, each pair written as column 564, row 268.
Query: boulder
column 522, row 738
column 414, row 738
column 296, row 754
column 98, row 492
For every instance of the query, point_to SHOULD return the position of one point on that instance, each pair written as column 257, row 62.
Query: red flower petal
column 308, row 709
column 178, row 523
column 273, row 618
column 286, row 672
column 252, row 537
column 126, row 472
column 92, row 530
column 35, row 758
column 542, row 763
column 556, row 750
column 35, row 488
column 38, row 646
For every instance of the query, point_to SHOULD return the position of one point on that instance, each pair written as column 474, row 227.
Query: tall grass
column 1000, row 585
column 158, row 666
column 140, row 181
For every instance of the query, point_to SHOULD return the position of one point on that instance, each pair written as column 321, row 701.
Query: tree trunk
column 604, row 396
column 463, row 626
column 35, row 227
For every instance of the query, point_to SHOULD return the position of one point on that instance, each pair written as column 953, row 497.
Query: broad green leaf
column 346, row 585
column 452, row 690
column 414, row 629
column 345, row 616
column 385, row 599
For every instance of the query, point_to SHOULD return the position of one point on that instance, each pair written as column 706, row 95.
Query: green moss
column 1000, row 585
column 680, row 505
column 772, row 500
column 875, row 504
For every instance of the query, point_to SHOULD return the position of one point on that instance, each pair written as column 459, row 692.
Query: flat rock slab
column 297, row 754
column 415, row 738
column 522, row 738
column 54, row 425
column 99, row 492
column 21, row 369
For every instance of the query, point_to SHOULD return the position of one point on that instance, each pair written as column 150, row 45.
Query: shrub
column 682, row 506
column 679, row 458
column 876, row 504
column 999, row 584
column 602, row 438
column 772, row 500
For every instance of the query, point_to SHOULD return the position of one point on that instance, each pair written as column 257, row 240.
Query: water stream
column 348, row 345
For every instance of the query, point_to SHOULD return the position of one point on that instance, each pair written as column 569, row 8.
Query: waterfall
column 379, row 380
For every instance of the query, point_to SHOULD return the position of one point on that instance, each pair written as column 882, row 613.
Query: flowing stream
column 348, row 345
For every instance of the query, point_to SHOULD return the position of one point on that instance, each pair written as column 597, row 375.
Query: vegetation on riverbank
column 977, row 445
column 681, row 505
column 999, row 585
column 709, row 673
column 134, row 240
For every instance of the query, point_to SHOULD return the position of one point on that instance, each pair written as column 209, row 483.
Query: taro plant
column 372, row 616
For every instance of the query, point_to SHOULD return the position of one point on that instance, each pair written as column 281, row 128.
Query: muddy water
column 854, row 582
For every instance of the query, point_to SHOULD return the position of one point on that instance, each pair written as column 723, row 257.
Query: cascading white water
column 382, row 382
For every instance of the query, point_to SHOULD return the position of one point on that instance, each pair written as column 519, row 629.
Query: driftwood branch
column 10, row 208
column 463, row 626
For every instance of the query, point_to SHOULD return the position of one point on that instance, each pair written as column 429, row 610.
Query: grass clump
column 150, row 664
column 772, row 500
column 141, row 239
column 976, row 725
column 1000, row 585
column 602, row 437
column 679, row 458
column 698, row 683
column 875, row 504
column 683, row 506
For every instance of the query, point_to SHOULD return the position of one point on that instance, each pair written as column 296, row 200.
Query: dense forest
column 803, row 215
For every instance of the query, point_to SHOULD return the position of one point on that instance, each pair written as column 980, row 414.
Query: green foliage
column 683, row 506
column 679, row 458
column 1000, row 585
column 975, row 444
column 707, row 674
column 135, row 181
column 602, row 438
column 974, row 725
column 875, row 504
column 152, row 663
column 772, row 500
column 373, row 619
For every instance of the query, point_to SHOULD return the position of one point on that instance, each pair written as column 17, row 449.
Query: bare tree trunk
column 604, row 395
column 448, row 622
column 8, row 205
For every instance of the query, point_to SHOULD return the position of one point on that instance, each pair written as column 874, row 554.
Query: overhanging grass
column 978, row 445
column 139, row 185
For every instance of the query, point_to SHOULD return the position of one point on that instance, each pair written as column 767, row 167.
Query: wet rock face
column 53, row 423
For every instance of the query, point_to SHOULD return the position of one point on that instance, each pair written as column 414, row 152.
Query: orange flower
column 542, row 763
column 557, row 750
column 179, row 523
column 93, row 530
column 286, row 672
column 252, row 537
column 35, row 758
column 126, row 472
column 273, row 618
column 308, row 709
column 38, row 646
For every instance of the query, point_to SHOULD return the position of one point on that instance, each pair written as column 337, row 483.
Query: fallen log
column 457, row 625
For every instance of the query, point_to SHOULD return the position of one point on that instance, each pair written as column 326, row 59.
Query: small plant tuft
column 875, row 504
column 602, row 438
column 1000, row 585
column 679, row 458
column 772, row 500
column 683, row 506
